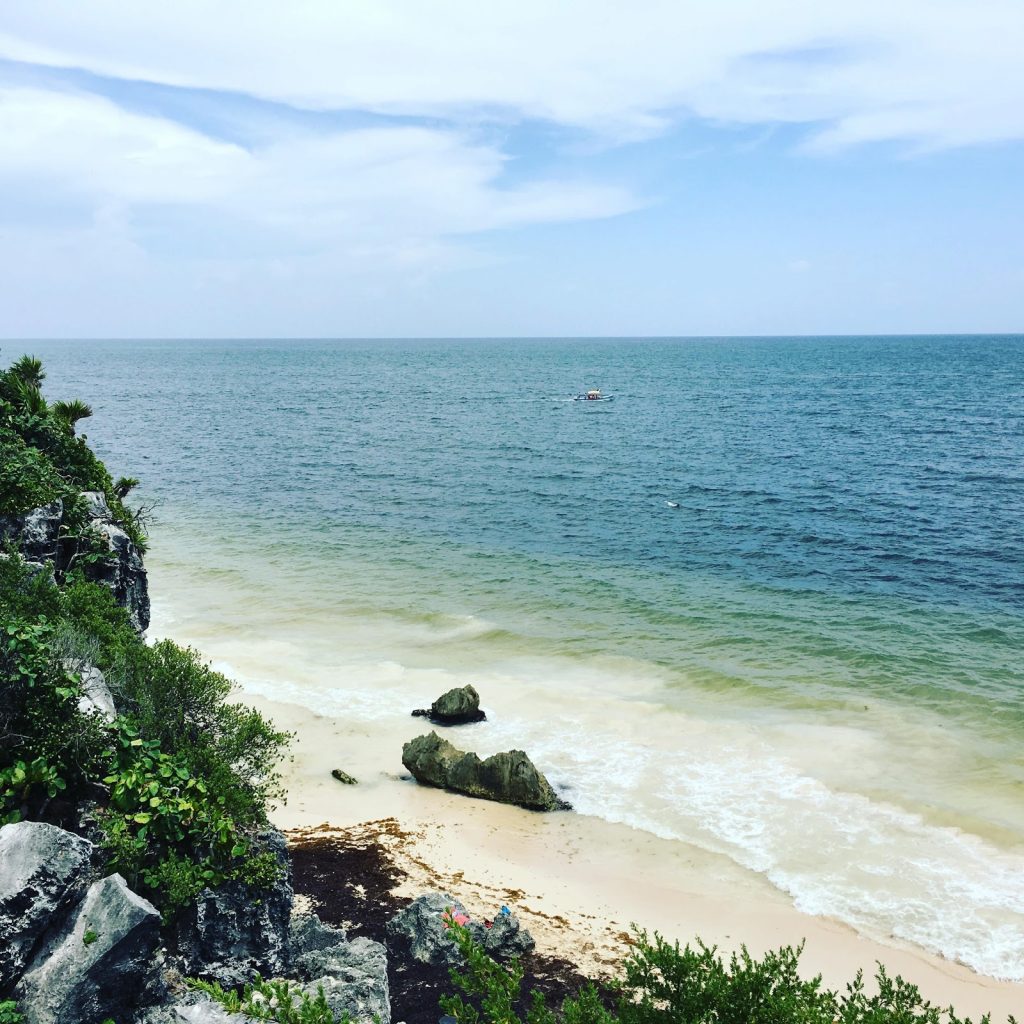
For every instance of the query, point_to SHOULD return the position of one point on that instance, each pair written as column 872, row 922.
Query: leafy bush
column 27, row 478
column 495, row 990
column 47, row 746
column 663, row 984
column 281, row 1001
column 177, row 700
column 9, row 1012
column 167, row 831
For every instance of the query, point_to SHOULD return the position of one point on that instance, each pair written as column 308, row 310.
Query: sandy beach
column 577, row 882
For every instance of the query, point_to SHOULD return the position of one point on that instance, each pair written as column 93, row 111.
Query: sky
column 373, row 168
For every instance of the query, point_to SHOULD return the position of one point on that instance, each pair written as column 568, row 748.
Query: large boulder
column 353, row 977
column 234, row 932
column 43, row 870
column 509, row 777
column 455, row 707
column 123, row 573
column 35, row 533
column 421, row 930
column 99, row 964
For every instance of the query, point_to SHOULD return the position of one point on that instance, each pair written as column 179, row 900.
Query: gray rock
column 100, row 964
column 96, row 697
column 420, row 929
column 308, row 934
column 354, row 979
column 509, row 777
column 206, row 1012
column 123, row 573
column 234, row 932
column 455, row 707
column 43, row 870
column 35, row 533
column 505, row 938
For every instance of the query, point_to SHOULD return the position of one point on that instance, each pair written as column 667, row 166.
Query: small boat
column 593, row 395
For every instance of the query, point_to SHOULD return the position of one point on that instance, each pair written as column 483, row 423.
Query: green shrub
column 663, row 984
column 27, row 477
column 47, row 746
column 178, row 700
column 167, row 831
column 494, row 991
column 281, row 1001
column 9, row 1012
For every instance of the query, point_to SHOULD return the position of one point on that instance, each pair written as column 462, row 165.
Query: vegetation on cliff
column 177, row 786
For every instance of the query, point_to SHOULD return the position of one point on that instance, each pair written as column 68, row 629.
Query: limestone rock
column 420, row 929
column 309, row 934
column 35, row 533
column 100, row 964
column 455, row 707
column 43, row 870
column 96, row 697
column 232, row 933
column 509, row 777
column 123, row 573
column 354, row 979
column 208, row 1012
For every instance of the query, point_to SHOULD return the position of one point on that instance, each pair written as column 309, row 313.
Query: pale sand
column 577, row 882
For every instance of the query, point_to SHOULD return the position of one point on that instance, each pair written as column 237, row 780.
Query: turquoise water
column 811, row 661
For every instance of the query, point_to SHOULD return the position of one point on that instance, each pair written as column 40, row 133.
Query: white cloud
column 379, row 185
column 938, row 72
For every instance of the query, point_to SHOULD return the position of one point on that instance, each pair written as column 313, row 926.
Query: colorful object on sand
column 506, row 911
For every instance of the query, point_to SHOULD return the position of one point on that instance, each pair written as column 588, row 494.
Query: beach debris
column 510, row 777
column 458, row 706
column 344, row 777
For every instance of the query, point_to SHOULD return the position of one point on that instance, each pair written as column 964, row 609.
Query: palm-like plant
column 71, row 412
column 29, row 371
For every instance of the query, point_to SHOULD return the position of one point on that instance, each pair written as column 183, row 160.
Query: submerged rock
column 43, row 870
column 455, row 707
column 509, row 777
column 99, row 964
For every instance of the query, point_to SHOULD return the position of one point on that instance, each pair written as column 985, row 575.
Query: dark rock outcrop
column 43, row 870
column 420, row 931
column 455, row 707
column 509, row 777
column 35, row 533
column 344, row 777
column 123, row 573
column 231, row 933
column 99, row 964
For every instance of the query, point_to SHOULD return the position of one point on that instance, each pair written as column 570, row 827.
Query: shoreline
column 577, row 882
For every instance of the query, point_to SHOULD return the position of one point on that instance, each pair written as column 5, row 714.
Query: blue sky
column 402, row 169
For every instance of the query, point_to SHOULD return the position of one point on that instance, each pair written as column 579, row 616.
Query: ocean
column 769, row 600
